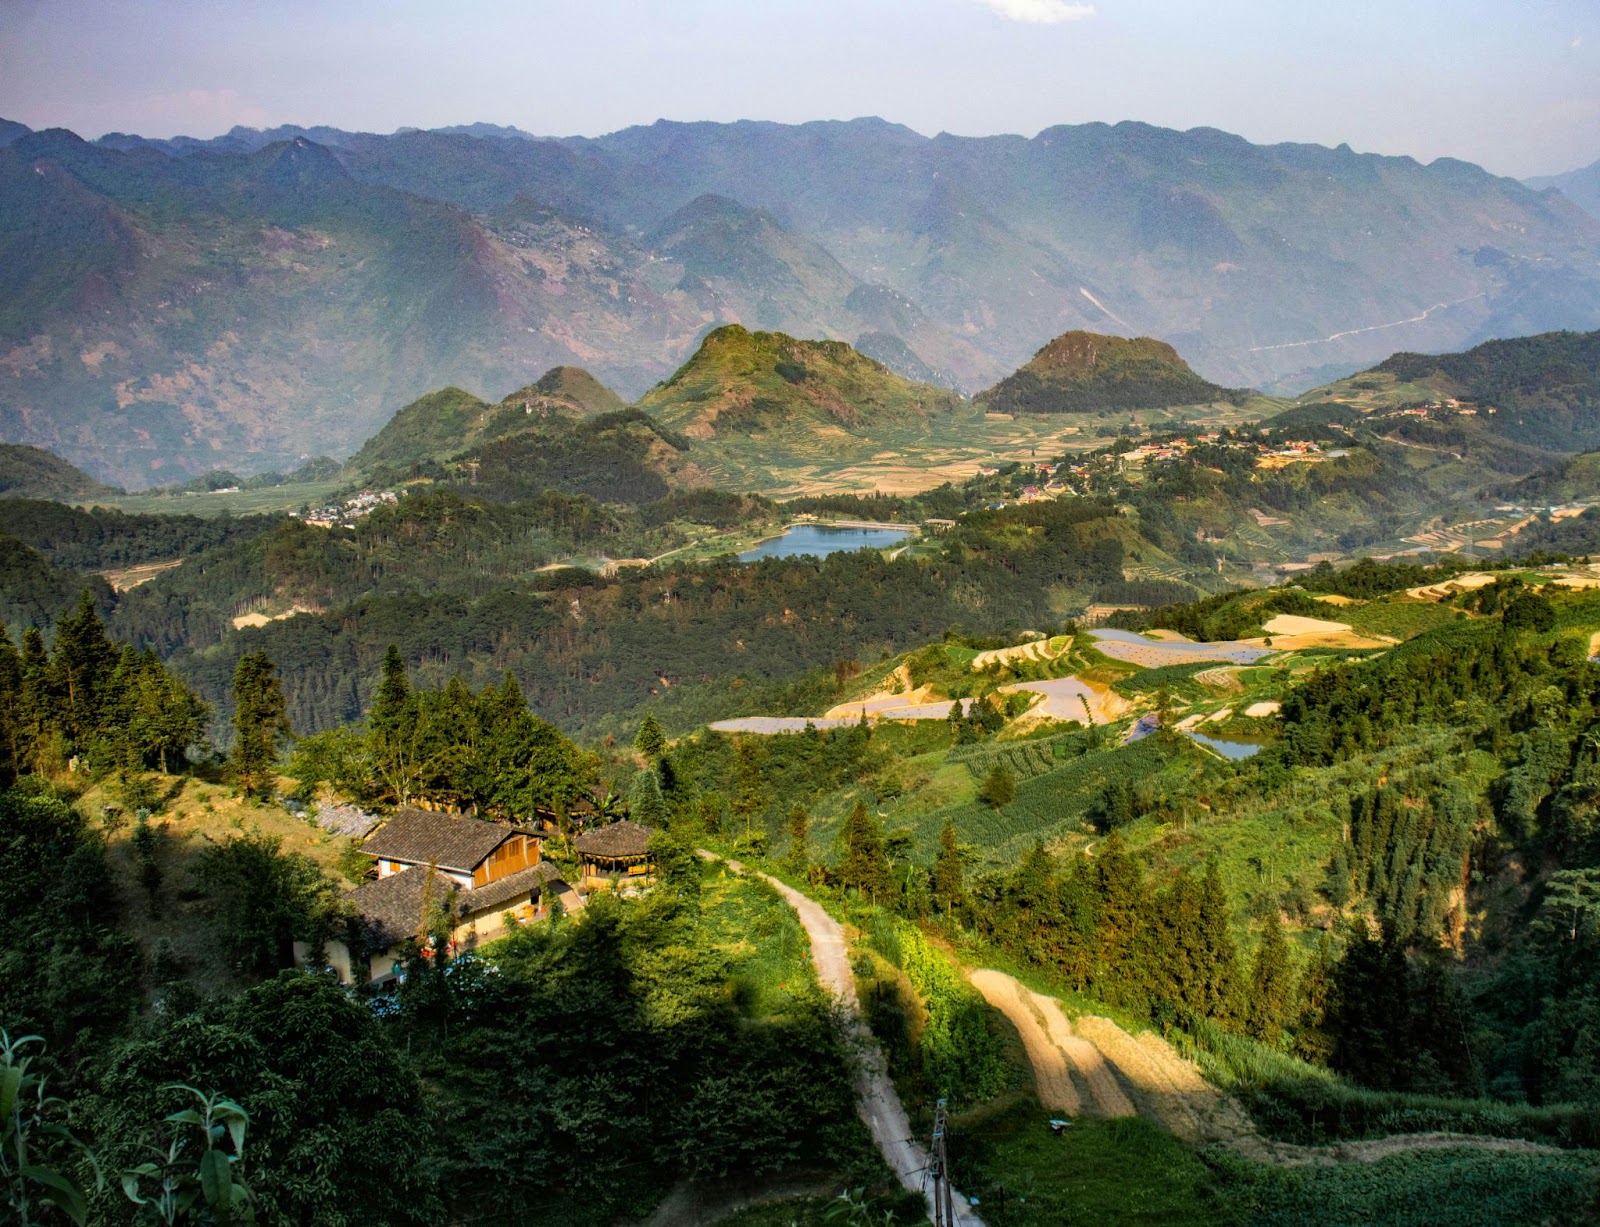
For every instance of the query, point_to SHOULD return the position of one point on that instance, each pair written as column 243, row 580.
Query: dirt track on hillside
column 1092, row 1067
column 876, row 1099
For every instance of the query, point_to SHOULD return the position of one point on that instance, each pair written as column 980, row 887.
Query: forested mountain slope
column 30, row 472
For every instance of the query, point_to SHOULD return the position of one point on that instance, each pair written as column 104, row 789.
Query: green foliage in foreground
column 1435, row 1188
column 1126, row 1171
column 942, row 1038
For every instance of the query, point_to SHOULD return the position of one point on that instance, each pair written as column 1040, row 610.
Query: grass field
column 1126, row 1171
column 1437, row 1188
column 234, row 503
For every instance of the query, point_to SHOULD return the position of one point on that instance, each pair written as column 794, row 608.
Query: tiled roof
column 392, row 907
column 508, row 889
column 425, row 838
column 617, row 839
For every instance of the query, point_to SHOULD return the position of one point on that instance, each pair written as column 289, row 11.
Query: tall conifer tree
column 949, row 891
column 650, row 740
column 260, row 722
column 866, row 864
column 1271, row 981
column 798, row 857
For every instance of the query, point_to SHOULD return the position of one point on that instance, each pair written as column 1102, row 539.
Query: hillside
column 1576, row 477
column 1551, row 370
column 742, row 383
column 31, row 472
column 348, row 273
column 1081, row 372
column 450, row 421
column 1536, row 393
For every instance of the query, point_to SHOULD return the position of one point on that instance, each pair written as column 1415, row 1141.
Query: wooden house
column 471, row 852
column 472, row 873
column 616, row 853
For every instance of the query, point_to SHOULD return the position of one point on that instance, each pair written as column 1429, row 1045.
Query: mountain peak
column 741, row 383
column 1080, row 372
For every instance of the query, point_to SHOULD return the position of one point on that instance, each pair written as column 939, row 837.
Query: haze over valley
column 1031, row 661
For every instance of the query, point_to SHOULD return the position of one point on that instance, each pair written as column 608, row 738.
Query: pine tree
column 36, row 706
column 646, row 805
column 999, row 787
column 799, row 855
column 750, row 795
column 260, row 722
column 650, row 740
column 82, row 663
column 949, row 891
column 1270, row 984
column 1215, row 957
column 1311, row 1039
column 392, row 729
column 866, row 864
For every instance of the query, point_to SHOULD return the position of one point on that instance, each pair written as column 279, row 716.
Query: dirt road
column 876, row 1099
column 1147, row 1076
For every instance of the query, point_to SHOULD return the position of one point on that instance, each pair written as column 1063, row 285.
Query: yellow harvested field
column 1166, row 636
column 1257, row 711
column 1578, row 581
column 1470, row 582
column 1293, row 624
column 1594, row 645
column 1333, row 598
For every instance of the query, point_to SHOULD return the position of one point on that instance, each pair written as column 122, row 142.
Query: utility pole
column 939, row 1169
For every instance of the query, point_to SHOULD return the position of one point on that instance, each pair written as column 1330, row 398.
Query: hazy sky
column 1512, row 85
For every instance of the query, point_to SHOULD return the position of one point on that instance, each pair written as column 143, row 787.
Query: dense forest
column 584, row 647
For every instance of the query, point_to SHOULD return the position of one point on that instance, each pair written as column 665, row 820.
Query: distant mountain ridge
column 1582, row 187
column 169, row 306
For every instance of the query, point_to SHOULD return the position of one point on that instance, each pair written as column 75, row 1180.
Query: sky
column 1513, row 86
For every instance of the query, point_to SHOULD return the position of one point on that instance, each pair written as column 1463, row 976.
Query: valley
column 840, row 717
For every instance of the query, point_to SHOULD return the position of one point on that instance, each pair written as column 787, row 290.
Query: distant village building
column 618, row 852
column 471, row 873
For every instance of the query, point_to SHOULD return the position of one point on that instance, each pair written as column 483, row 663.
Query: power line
column 939, row 1170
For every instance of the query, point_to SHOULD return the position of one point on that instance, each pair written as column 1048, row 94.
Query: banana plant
column 25, row 1110
column 178, row 1181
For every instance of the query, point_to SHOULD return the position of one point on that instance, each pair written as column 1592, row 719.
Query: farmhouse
column 466, row 873
column 615, row 853
column 471, row 852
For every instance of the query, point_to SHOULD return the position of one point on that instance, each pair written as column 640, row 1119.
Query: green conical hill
column 1080, row 372
column 741, row 383
column 450, row 421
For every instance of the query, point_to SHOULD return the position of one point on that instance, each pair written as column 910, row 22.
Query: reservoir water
column 822, row 539
column 1228, row 749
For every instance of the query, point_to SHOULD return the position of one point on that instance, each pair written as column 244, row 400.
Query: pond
column 1234, row 750
column 823, row 539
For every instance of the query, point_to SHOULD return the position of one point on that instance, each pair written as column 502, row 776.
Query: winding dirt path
column 1160, row 1084
column 876, row 1099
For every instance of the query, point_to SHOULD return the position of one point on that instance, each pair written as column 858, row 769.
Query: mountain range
column 168, row 307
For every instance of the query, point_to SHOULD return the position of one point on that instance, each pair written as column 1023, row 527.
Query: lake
column 1234, row 750
column 823, row 539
